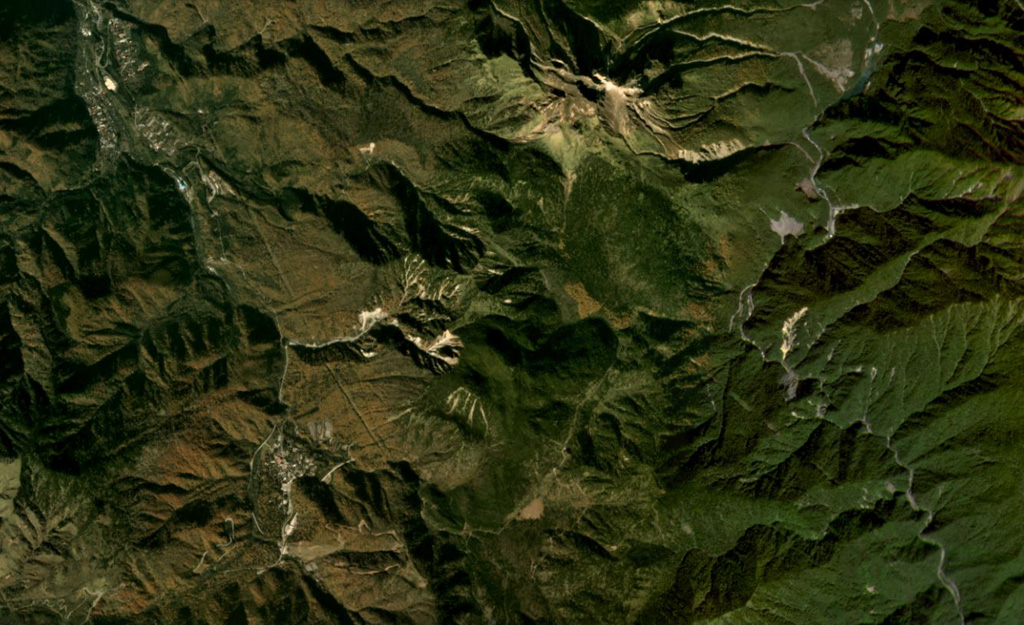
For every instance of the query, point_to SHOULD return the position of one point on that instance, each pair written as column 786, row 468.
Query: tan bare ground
column 585, row 304
column 531, row 511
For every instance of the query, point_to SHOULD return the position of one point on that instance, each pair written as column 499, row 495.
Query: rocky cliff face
column 556, row 311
